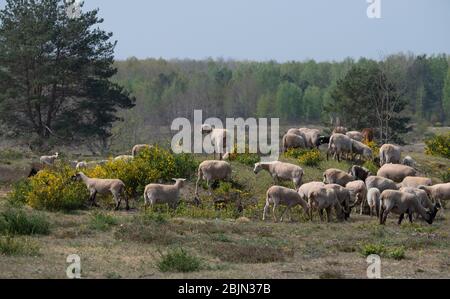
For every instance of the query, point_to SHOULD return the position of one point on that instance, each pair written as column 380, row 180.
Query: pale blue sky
column 274, row 29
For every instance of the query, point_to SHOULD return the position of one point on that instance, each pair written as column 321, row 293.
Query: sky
column 280, row 30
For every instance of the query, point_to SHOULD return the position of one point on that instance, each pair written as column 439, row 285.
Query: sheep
column 358, row 190
column 337, row 176
column 438, row 192
column 355, row 135
column 359, row 148
column 359, row 172
column 139, row 148
column 293, row 141
column 396, row 172
column 368, row 135
column 339, row 144
column 156, row 194
column 278, row 195
column 90, row 164
column 311, row 137
column 282, row 171
column 219, row 139
column 49, row 160
column 414, row 182
column 323, row 140
column 340, row 130
column 409, row 161
column 343, row 196
column 323, row 198
column 390, row 153
column 380, row 183
column 400, row 203
column 212, row 170
column 102, row 186
column 125, row 158
column 306, row 188
column 421, row 195
column 373, row 200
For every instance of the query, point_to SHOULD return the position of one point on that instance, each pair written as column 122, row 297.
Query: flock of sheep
column 396, row 187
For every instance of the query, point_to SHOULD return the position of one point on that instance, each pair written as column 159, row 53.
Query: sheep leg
column 118, row 201
column 275, row 206
column 362, row 207
column 400, row 220
column 266, row 210
column 321, row 215
column 371, row 211
column 410, row 217
column 284, row 214
column 328, row 214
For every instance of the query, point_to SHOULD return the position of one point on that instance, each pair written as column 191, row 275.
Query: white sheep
column 380, row 183
column 91, row 164
column 139, row 148
column 355, row 135
column 359, row 148
column 404, row 203
column 278, row 195
column 306, row 188
column 396, row 172
column 219, row 138
column 344, row 198
column 421, row 195
column 438, row 193
column 212, row 170
column 157, row 194
column 311, row 136
column 340, row 145
column 337, row 176
column 390, row 153
column 358, row 190
column 103, row 186
column 415, row 181
column 373, row 200
column 323, row 198
column 409, row 161
column 49, row 160
column 292, row 141
column 284, row 171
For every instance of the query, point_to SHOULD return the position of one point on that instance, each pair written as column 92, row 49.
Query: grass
column 179, row 260
column 17, row 222
column 397, row 253
column 11, row 246
column 102, row 222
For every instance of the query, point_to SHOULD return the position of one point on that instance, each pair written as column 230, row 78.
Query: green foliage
column 372, row 167
column 397, row 253
column 369, row 249
column 19, row 193
column 438, row 145
column 446, row 176
column 178, row 260
column 11, row 246
column 18, row 222
column 102, row 222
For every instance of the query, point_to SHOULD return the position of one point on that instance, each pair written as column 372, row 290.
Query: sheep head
column 258, row 168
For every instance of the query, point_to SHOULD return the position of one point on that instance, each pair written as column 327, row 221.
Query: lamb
column 415, row 182
column 323, row 198
column 49, row 160
column 284, row 171
column 219, row 139
column 157, row 194
column 373, row 200
column 409, row 161
column 125, row 158
column 400, row 203
column 102, row 186
column 212, row 170
column 339, row 144
column 359, row 172
column 358, row 190
column 343, row 196
column 139, row 148
column 396, row 172
column 293, row 141
column 438, row 192
column 359, row 148
column 380, row 183
column 278, row 195
column 390, row 153
column 337, row 176
column 355, row 135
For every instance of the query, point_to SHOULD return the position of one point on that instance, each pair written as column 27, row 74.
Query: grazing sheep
column 311, row 137
column 404, row 203
column 390, row 153
column 438, row 193
column 297, row 132
column 368, row 135
column 344, row 198
column 139, row 148
column 359, row 172
column 308, row 187
column 102, row 186
column 373, row 200
column 323, row 198
column 277, row 196
column 49, row 160
column 415, row 182
column 421, row 195
column 380, row 183
column 284, row 171
column 358, row 190
column 125, row 158
column 340, row 130
column 339, row 145
column 219, row 139
column 355, row 135
column 212, row 170
column 337, row 176
column 293, row 141
column 157, row 194
column 409, row 161
column 359, row 148
column 396, row 172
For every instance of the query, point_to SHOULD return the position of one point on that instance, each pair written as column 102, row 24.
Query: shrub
column 12, row 246
column 294, row 153
column 369, row 249
column 244, row 158
column 179, row 260
column 397, row 253
column 17, row 222
column 19, row 193
column 311, row 158
column 438, row 145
